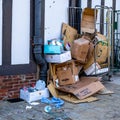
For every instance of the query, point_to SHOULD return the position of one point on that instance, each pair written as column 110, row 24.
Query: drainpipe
column 78, row 3
column 39, row 6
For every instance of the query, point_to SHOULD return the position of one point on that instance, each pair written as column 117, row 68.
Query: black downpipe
column 78, row 3
column 39, row 38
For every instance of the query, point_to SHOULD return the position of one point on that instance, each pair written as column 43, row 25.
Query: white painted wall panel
column 0, row 32
column 95, row 2
column 108, row 3
column 83, row 4
column 55, row 14
column 117, row 4
column 20, row 32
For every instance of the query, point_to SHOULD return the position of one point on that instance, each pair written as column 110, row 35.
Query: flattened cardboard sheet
column 83, row 88
column 68, row 97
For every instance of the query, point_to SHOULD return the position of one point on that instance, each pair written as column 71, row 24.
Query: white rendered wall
column 108, row 3
column 0, row 32
column 117, row 4
column 20, row 32
column 83, row 4
column 55, row 14
column 95, row 2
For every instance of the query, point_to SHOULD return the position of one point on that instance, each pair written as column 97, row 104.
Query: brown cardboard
column 88, row 20
column 69, row 34
column 90, row 61
column 65, row 73
column 73, row 99
column 84, row 88
column 80, row 49
column 68, row 97
column 102, row 51
column 104, row 65
column 65, row 76
column 90, row 51
column 88, row 36
column 94, row 67
column 101, row 37
column 105, row 91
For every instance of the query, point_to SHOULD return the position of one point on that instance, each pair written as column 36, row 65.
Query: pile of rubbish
column 75, row 62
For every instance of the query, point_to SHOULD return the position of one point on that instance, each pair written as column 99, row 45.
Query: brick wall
column 10, row 85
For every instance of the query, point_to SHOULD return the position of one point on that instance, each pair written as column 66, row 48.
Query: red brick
column 15, row 77
column 10, row 85
column 2, row 78
column 6, row 87
column 3, row 90
column 16, row 96
column 7, row 80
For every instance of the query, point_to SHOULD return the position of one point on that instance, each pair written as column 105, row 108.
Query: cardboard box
column 94, row 67
column 58, row 58
column 86, row 87
column 65, row 73
column 52, row 49
column 90, row 51
column 88, row 20
column 89, row 62
column 101, row 37
column 80, row 49
column 69, row 35
column 101, row 71
column 101, row 51
column 66, row 77
column 88, row 36
column 33, row 96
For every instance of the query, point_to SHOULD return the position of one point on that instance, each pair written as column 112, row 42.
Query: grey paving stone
column 106, row 108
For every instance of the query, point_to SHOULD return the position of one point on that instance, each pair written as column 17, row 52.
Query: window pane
column 20, row 32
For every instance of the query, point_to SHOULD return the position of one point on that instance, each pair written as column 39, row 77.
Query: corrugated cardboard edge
column 69, row 97
column 73, row 99
column 105, row 91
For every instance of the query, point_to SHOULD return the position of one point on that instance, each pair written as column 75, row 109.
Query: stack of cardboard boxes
column 70, row 76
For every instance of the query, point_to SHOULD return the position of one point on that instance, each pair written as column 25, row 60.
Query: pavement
column 107, row 107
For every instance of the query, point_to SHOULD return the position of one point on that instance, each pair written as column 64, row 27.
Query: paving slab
column 106, row 108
